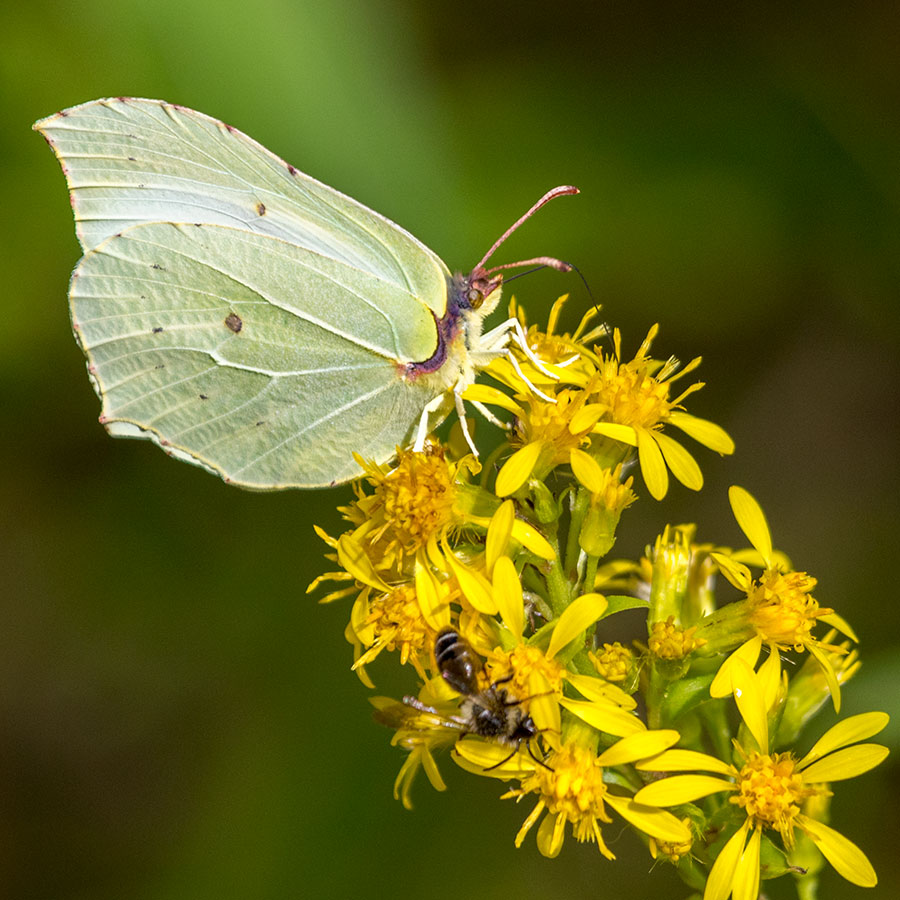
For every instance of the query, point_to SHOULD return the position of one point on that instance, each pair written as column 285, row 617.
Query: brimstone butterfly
column 247, row 318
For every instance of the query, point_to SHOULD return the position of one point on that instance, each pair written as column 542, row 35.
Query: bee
column 486, row 712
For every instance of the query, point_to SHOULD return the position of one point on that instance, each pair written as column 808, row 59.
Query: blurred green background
column 177, row 719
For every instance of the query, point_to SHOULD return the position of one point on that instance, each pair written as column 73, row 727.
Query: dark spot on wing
column 62, row 113
column 229, row 128
column 260, row 423
column 291, row 169
column 233, row 322
column 131, row 159
column 160, row 366
column 261, row 209
column 158, row 329
column 156, row 266
column 204, row 396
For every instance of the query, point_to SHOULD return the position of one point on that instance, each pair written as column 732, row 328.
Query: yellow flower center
column 673, row 852
column 770, row 790
column 671, row 641
column 613, row 494
column 548, row 424
column 520, row 662
column 573, row 785
column 397, row 619
column 782, row 609
column 417, row 498
column 631, row 394
column 612, row 661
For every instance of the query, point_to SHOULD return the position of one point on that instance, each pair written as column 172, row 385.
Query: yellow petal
column 684, row 761
column 352, row 556
column 746, row 874
column 847, row 731
column 508, row 596
column 587, row 470
column 752, row 521
column 498, row 534
column 656, row 822
column 751, row 703
column 544, row 707
column 841, row 624
column 575, row 619
column 492, row 759
column 624, row 433
column 770, row 677
column 748, row 653
column 474, row 585
column 684, row 467
column 653, row 467
column 721, row 876
column 550, row 835
column 845, row 763
column 532, row 540
column 828, row 671
column 483, row 393
column 678, row 789
column 703, row 431
column 734, row 570
column 597, row 689
column 604, row 717
column 435, row 610
column 517, row 469
column 586, row 417
column 638, row 746
column 848, row 860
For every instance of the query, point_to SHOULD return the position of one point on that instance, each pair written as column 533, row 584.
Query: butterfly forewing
column 131, row 161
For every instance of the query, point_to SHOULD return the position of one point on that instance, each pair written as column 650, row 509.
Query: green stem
column 573, row 549
column 590, row 574
column 559, row 588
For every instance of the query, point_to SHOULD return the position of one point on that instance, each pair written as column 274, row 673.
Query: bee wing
column 413, row 716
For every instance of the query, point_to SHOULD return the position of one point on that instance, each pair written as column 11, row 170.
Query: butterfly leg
column 499, row 423
column 422, row 428
column 463, row 421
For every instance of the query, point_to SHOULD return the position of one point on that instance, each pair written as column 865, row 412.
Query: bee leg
column 540, row 762
column 505, row 759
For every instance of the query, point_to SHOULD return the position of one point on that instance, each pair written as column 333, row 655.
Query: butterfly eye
column 475, row 298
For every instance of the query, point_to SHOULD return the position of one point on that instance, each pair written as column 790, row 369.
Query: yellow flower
column 411, row 504
column 570, row 787
column 770, row 789
column 637, row 405
column 546, row 434
column 779, row 610
column 614, row 662
column 623, row 402
column 670, row 641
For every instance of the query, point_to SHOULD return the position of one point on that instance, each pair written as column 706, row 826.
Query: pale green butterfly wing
column 258, row 359
column 131, row 161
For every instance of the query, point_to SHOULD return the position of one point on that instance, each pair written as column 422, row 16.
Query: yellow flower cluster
column 491, row 578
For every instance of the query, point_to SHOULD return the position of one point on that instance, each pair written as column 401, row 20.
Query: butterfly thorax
column 470, row 299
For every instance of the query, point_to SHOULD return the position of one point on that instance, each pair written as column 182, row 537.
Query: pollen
column 398, row 623
column 520, row 663
column 771, row 792
column 551, row 424
column 671, row 641
column 782, row 609
column 631, row 394
column 670, row 850
column 416, row 498
column 573, row 786
column 612, row 661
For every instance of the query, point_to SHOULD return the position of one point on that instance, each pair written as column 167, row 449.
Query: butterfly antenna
column 557, row 264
